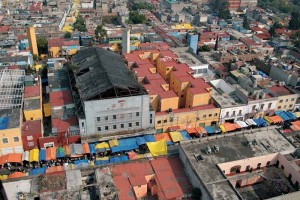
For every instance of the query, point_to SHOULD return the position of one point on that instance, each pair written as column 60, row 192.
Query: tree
column 294, row 23
column 68, row 35
column 100, row 33
column 136, row 18
column 296, row 39
column 246, row 23
column 222, row 6
column 80, row 24
column 35, row 57
column 204, row 48
column 217, row 43
column 196, row 193
column 45, row 3
column 272, row 31
column 42, row 44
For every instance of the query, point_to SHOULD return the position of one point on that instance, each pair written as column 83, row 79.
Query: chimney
column 126, row 41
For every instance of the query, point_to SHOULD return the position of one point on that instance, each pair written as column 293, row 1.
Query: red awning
column 11, row 158
column 162, row 136
column 16, row 175
column 51, row 153
column 201, row 130
column 85, row 148
column 54, row 169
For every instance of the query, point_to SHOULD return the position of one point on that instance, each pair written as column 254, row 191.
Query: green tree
column 140, row 5
column 100, row 33
column 296, row 39
column 136, row 18
column 42, row 44
column 272, row 31
column 68, row 35
column 80, row 24
column 45, row 3
column 35, row 57
column 204, row 48
column 294, row 23
column 222, row 6
column 246, row 23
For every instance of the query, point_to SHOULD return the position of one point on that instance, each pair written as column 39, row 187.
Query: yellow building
column 187, row 118
column 58, row 47
column 286, row 98
column 32, row 109
column 10, row 131
column 32, row 40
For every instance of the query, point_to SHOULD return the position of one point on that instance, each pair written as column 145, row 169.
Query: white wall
column 231, row 110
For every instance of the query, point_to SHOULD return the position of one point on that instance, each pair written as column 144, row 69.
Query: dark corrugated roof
column 99, row 71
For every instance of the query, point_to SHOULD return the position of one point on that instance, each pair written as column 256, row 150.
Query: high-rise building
column 32, row 40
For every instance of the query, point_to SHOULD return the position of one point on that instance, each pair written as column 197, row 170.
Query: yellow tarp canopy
column 176, row 136
column 3, row 177
column 267, row 118
column 158, row 148
column 102, row 145
column 223, row 129
column 47, row 109
column 103, row 158
column 297, row 114
column 34, row 155
column 37, row 67
column 113, row 143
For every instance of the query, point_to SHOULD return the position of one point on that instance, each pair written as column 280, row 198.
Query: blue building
column 192, row 41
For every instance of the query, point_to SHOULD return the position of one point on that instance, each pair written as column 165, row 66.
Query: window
column 122, row 116
column 130, row 125
column 31, row 144
column 210, row 115
column 216, row 114
column 165, row 121
column 204, row 116
column 253, row 108
column 16, row 139
column 262, row 106
column 280, row 101
column 106, row 127
column 114, row 126
column 269, row 105
column 122, row 104
column 182, row 96
column 159, row 122
column 151, row 98
column 98, row 119
column 4, row 140
column 284, row 106
column 114, row 105
column 106, row 117
column 291, row 105
column 122, row 125
column 99, row 128
column 258, row 166
column 130, row 114
column 268, row 163
column 137, row 114
column 29, row 137
column 114, row 116
column 137, row 123
column 240, row 112
column 227, row 113
column 233, row 113
column 168, row 69
column 279, row 107
column 286, row 100
column 82, row 123
column 293, row 99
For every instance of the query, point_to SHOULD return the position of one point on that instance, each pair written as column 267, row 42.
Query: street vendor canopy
column 161, row 136
column 158, row 148
column 34, row 155
column 51, row 153
column 60, row 152
column 11, row 158
column 125, row 144
column 176, row 136
column 25, row 156
column 276, row 119
column 42, row 155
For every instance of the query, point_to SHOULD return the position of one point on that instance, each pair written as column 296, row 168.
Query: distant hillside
column 285, row 6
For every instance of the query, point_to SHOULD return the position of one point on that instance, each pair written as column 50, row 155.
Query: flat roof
column 13, row 116
column 32, row 91
column 232, row 148
column 31, row 104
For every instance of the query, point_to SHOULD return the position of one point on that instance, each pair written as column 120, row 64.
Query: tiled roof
column 60, row 98
column 62, row 126
column 32, row 91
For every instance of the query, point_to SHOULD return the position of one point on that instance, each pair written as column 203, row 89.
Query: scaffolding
column 11, row 88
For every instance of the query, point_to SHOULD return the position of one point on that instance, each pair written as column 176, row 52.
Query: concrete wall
column 277, row 73
column 115, row 112
column 289, row 169
column 193, row 176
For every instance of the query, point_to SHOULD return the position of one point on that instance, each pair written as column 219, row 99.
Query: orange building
column 172, row 87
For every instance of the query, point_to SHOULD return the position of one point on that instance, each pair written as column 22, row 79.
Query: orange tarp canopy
column 162, row 136
column 230, row 127
column 201, row 130
column 16, row 175
column 67, row 150
column 276, row 119
column 191, row 131
column 295, row 128
column 51, row 153
column 132, row 155
column 85, row 148
column 54, row 169
column 11, row 158
column 296, row 123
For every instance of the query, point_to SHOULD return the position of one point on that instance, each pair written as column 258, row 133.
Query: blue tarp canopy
column 37, row 171
column 127, row 144
column 185, row 135
column 260, row 122
column 209, row 129
column 92, row 147
column 283, row 115
column 101, row 162
column 262, row 74
column 60, row 152
column 77, row 162
column 140, row 140
column 42, row 155
column 118, row 159
column 291, row 115
column 149, row 138
column 4, row 122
